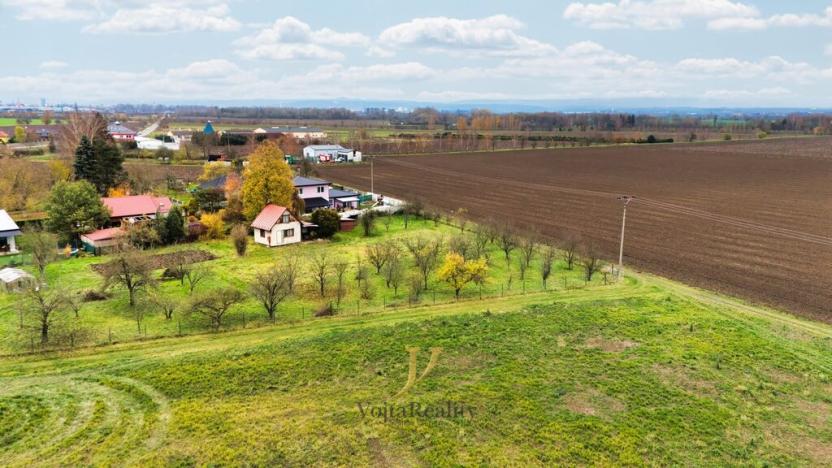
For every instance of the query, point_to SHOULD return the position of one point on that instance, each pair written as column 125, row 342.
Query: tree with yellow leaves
column 267, row 179
column 458, row 272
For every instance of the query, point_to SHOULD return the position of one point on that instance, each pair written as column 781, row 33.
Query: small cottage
column 276, row 226
column 8, row 231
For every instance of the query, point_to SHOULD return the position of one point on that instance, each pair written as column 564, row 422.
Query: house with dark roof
column 343, row 199
column 313, row 191
column 8, row 231
column 276, row 226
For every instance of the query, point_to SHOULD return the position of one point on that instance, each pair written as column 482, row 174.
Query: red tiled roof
column 268, row 217
column 137, row 205
column 105, row 234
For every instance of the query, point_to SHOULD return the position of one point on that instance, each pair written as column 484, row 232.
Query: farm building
column 275, row 226
column 101, row 239
column 301, row 133
column 14, row 279
column 120, row 133
column 331, row 153
column 136, row 208
column 8, row 231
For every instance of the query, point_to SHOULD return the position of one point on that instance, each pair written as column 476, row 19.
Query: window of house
column 285, row 218
column 300, row 190
column 289, row 233
column 320, row 190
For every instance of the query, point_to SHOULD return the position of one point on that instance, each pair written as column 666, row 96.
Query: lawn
column 113, row 320
column 577, row 379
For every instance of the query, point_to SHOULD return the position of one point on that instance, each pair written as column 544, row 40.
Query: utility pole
column 626, row 199
column 372, row 178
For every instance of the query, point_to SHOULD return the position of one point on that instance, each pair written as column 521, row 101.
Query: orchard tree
column 267, row 179
column 214, row 305
column 271, row 287
column 131, row 269
column 458, row 272
column 74, row 208
column 42, row 246
column 46, row 305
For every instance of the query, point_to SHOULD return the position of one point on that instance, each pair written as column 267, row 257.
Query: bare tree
column 393, row 272
column 165, row 304
column 528, row 246
column 507, row 240
column 379, row 252
column 386, row 220
column 271, row 287
column 570, row 245
column 42, row 246
column 214, row 305
column 367, row 220
column 546, row 260
column 425, row 253
column 320, row 270
column 194, row 276
column 480, row 242
column 131, row 269
column 460, row 215
column 45, row 305
column 462, row 245
column 291, row 267
column 590, row 261
column 340, row 266
column 77, row 125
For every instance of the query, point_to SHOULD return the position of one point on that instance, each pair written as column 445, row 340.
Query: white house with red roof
column 136, row 208
column 121, row 133
column 276, row 226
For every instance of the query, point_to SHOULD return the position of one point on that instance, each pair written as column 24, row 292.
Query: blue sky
column 713, row 52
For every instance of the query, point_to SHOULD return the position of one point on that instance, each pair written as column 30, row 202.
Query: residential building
column 313, row 191
column 136, row 208
column 276, row 226
column 8, row 231
column 343, row 199
column 120, row 133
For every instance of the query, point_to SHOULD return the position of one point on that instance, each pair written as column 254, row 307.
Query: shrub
column 93, row 295
column 325, row 311
column 239, row 237
column 214, row 226
column 328, row 221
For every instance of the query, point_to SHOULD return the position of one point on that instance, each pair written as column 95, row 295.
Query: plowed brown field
column 752, row 219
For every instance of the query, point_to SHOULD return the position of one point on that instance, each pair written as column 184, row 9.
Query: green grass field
column 9, row 121
column 644, row 371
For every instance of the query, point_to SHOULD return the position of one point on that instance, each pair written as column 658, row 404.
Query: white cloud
column 289, row 38
column 167, row 18
column 772, row 68
column 495, row 35
column 52, row 10
column 828, row 50
column 654, row 14
column 53, row 65
column 785, row 20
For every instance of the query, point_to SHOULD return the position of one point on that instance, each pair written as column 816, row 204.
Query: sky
column 749, row 53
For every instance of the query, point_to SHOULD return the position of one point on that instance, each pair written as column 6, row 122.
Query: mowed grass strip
column 653, row 379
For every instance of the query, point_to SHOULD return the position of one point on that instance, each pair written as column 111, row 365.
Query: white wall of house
column 314, row 191
column 9, row 241
column 281, row 234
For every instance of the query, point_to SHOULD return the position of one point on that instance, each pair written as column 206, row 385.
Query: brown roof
column 105, row 234
column 268, row 217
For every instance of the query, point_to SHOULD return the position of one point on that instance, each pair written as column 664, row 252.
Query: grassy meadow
column 643, row 371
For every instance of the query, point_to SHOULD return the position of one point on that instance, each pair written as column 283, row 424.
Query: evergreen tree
column 100, row 163
column 110, row 172
column 174, row 226
column 85, row 161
